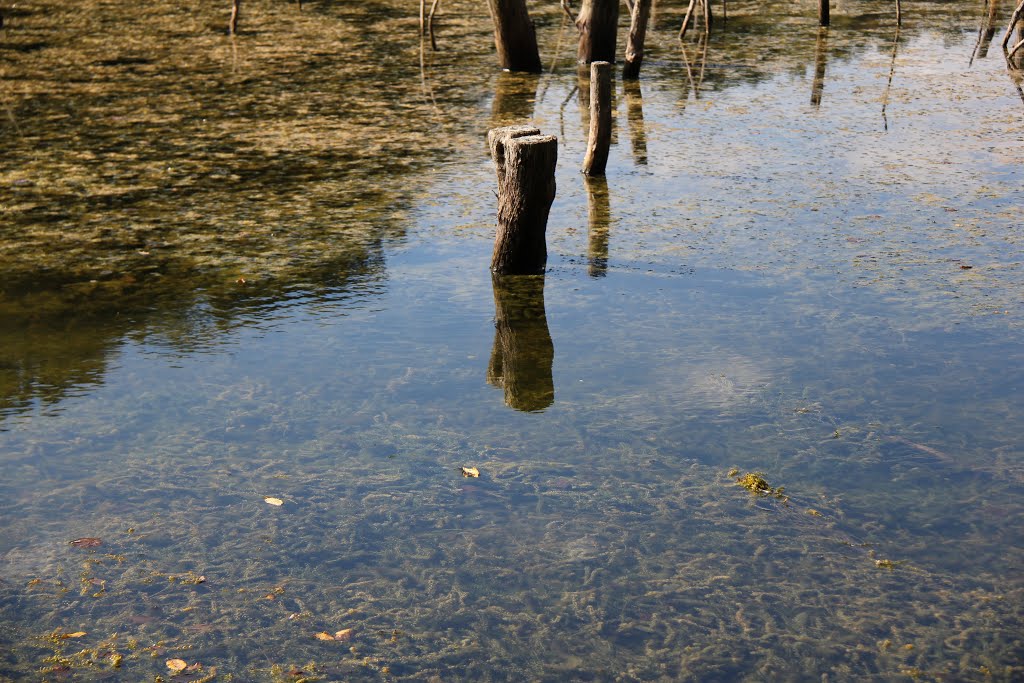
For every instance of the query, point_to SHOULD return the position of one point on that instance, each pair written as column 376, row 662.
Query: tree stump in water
column 597, row 22
column 637, row 33
column 514, row 36
column 525, row 164
column 600, row 119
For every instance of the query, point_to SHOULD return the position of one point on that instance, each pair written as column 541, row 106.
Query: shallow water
column 252, row 268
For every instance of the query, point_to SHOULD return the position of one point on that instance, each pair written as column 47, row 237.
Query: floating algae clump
column 756, row 483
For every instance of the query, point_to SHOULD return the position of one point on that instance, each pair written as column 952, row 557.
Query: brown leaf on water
column 273, row 501
column 177, row 664
column 87, row 542
column 323, row 636
column 343, row 635
column 470, row 472
column 76, row 634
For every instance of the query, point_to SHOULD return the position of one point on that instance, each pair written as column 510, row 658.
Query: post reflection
column 635, row 120
column 514, row 97
column 599, row 213
column 820, row 62
column 523, row 352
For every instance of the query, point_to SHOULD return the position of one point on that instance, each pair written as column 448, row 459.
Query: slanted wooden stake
column 637, row 32
column 600, row 118
column 525, row 162
column 514, row 36
column 597, row 22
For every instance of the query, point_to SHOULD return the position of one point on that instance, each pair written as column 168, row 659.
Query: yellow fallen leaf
column 323, row 636
column 273, row 501
column 76, row 634
column 343, row 634
column 470, row 472
column 177, row 664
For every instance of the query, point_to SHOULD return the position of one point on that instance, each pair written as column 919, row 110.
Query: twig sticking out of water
column 892, row 72
column 705, row 6
column 233, row 21
column 430, row 24
column 1017, row 13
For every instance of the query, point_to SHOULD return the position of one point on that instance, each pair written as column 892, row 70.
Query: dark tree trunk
column 514, row 36
column 637, row 34
column 526, row 187
column 597, row 22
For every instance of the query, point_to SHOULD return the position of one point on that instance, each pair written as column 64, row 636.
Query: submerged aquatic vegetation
column 757, row 484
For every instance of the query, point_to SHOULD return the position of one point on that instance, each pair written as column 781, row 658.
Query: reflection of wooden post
column 514, row 96
column 823, row 8
column 820, row 61
column 635, row 120
column 525, row 164
column 597, row 23
column 600, row 119
column 599, row 214
column 523, row 353
column 637, row 33
column 514, row 36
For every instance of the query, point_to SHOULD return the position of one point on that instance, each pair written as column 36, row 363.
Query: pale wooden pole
column 600, row 119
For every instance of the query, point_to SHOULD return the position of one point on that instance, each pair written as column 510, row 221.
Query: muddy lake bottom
column 251, row 354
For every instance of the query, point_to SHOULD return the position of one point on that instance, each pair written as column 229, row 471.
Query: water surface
column 257, row 268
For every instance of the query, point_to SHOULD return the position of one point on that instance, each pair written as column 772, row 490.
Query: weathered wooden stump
column 514, row 36
column 600, row 119
column 523, row 353
column 525, row 165
column 637, row 33
column 597, row 23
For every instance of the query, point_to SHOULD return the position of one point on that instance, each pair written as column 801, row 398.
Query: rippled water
column 257, row 268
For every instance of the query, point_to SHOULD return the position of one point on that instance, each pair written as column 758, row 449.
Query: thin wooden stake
column 430, row 24
column 686, row 19
column 600, row 138
column 233, row 22
column 823, row 12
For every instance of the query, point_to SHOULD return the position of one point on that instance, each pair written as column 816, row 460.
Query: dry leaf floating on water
column 470, row 472
column 343, row 635
column 323, row 636
column 87, row 542
column 177, row 664
column 274, row 501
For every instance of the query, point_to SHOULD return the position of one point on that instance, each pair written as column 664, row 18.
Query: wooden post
column 514, row 36
column 233, row 21
column 523, row 354
column 597, row 22
column 635, row 44
column 823, row 9
column 600, row 119
column 525, row 162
